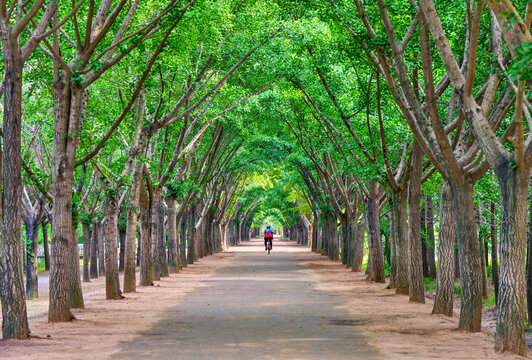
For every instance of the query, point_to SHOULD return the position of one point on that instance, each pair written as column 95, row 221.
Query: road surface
column 257, row 306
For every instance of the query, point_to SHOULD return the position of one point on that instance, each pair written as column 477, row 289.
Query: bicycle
column 269, row 245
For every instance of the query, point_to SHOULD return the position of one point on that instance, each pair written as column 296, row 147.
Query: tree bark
column 443, row 301
column 332, row 237
column 191, row 230
column 511, row 314
column 14, row 315
column 101, row 250
column 415, row 286
column 349, row 238
column 429, row 218
column 391, row 252
column 483, row 261
column 469, row 257
column 139, row 248
column 319, row 239
column 376, row 256
column 122, row 253
column 94, row 251
column 423, row 233
column 160, row 262
column 183, row 242
column 528, row 262
column 67, row 108
column 32, row 286
column 495, row 253
column 86, row 251
column 138, row 192
column 76, row 293
column 456, row 261
column 400, row 226
column 345, row 230
column 313, row 245
column 112, row 282
column 146, row 258
column 173, row 255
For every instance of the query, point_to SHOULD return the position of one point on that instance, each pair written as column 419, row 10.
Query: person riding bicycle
column 268, row 236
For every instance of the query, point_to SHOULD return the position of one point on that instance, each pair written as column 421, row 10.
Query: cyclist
column 268, row 236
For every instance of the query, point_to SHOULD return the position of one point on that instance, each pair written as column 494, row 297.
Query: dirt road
column 258, row 306
column 246, row 304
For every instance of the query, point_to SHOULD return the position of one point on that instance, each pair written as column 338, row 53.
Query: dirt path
column 244, row 304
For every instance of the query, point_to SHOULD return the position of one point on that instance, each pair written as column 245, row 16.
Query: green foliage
column 430, row 284
column 521, row 66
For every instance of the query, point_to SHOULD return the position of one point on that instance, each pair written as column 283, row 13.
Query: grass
column 489, row 303
column 430, row 284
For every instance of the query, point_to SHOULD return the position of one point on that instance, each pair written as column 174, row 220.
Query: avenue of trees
column 391, row 135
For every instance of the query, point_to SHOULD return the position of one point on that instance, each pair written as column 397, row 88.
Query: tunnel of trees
column 393, row 136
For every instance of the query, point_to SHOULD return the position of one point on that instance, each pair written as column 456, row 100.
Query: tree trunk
column 201, row 235
column 76, row 293
column 348, row 237
column 183, row 242
column 423, row 232
column 429, row 218
column 483, row 262
column 191, row 230
column 391, row 253
column 345, row 239
column 160, row 263
column 486, row 255
column 32, row 286
column 231, row 230
column 324, row 236
column 197, row 244
column 139, row 247
column 146, row 258
column 495, row 255
column 319, row 239
column 122, row 237
column 376, row 256
column 443, row 301
column 456, row 261
column 14, row 314
column 237, row 234
column 173, row 255
column 67, row 108
column 400, row 226
column 332, row 237
column 511, row 314
column 86, row 251
column 469, row 256
column 163, row 256
column 215, row 233
column 313, row 245
column 528, row 262
column 137, row 197
column 101, row 250
column 94, row 251
column 353, row 241
column 46, row 247
column 415, row 285
column 112, row 282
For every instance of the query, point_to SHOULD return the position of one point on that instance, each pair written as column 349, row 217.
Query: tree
column 14, row 20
